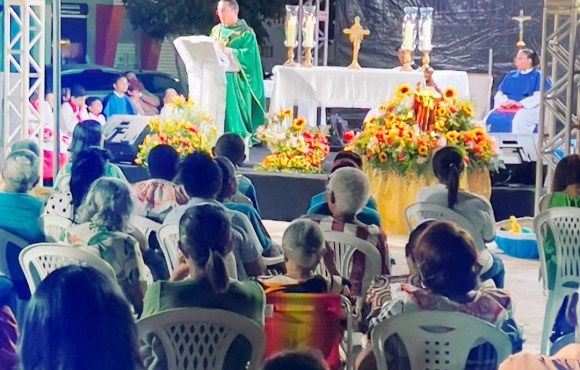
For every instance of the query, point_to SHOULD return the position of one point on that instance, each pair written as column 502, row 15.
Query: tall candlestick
column 409, row 28
column 291, row 31
column 309, row 27
column 426, row 34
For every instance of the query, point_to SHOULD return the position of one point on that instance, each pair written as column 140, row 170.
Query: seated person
column 379, row 293
column 118, row 102
column 517, row 101
column 233, row 148
column 104, row 229
column 90, row 324
column 318, row 206
column 87, row 167
column 157, row 196
column 303, row 245
column 40, row 192
column 447, row 261
column 400, row 54
column 85, row 135
column 347, row 193
column 229, row 188
column 204, row 239
column 202, row 179
column 20, row 212
column 447, row 166
column 568, row 358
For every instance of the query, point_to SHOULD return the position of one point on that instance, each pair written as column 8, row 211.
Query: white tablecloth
column 339, row 87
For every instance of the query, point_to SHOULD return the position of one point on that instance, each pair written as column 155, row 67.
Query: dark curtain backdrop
column 464, row 31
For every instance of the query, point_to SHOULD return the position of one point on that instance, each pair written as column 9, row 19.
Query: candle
column 426, row 33
column 309, row 24
column 291, row 32
column 408, row 38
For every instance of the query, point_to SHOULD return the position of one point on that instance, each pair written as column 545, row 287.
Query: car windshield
column 91, row 80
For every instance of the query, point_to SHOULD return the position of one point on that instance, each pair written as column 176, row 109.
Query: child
column 95, row 108
column 233, row 148
column 118, row 102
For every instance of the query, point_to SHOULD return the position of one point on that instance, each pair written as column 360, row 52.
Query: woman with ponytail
column 448, row 167
column 204, row 239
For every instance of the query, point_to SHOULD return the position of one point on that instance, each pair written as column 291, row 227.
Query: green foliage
column 161, row 18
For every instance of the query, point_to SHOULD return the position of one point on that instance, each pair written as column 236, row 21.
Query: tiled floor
column 521, row 281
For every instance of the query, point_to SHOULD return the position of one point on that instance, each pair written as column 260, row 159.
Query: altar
column 338, row 87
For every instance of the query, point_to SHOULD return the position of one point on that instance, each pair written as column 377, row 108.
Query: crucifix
column 521, row 18
column 355, row 35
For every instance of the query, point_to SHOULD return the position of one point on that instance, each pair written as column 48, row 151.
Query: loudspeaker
column 519, row 155
column 123, row 135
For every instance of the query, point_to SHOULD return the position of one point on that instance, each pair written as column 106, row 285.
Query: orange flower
column 298, row 124
column 382, row 157
column 449, row 93
column 404, row 90
column 423, row 150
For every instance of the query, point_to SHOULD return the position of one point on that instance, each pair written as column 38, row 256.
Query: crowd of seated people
column 218, row 220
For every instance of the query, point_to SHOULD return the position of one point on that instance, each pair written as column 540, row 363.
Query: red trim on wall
column 108, row 20
column 150, row 51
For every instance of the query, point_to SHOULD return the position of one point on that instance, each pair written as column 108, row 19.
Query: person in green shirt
column 205, row 238
column 245, row 99
column 565, row 193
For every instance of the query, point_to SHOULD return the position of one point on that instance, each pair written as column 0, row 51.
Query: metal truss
column 560, row 105
column 24, row 70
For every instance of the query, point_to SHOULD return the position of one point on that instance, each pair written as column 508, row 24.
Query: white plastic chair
column 168, row 236
column 54, row 227
column 419, row 212
column 480, row 86
column 198, row 339
column 564, row 224
column 47, row 257
column 146, row 225
column 271, row 262
column 15, row 274
column 430, row 348
column 344, row 247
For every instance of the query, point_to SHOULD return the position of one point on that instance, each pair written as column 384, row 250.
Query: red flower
column 192, row 129
column 453, row 110
column 348, row 135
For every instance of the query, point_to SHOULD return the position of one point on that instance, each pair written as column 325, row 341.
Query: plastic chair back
column 296, row 320
column 146, row 225
column 198, row 339
column 10, row 247
column 562, row 225
column 419, row 212
column 54, row 227
column 433, row 345
column 344, row 247
column 168, row 236
column 39, row 260
column 272, row 263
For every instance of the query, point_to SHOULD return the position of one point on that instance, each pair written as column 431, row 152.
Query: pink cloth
column 568, row 358
column 158, row 196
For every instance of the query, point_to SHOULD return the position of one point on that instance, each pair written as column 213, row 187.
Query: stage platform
column 284, row 197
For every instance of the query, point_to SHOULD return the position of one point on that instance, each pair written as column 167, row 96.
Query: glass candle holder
column 309, row 28
column 409, row 28
column 291, row 26
column 426, row 29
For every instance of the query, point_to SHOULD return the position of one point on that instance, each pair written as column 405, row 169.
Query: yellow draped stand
column 394, row 193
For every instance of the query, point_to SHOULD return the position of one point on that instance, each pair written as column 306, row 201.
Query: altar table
column 339, row 87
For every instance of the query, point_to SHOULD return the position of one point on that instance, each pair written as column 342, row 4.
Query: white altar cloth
column 339, row 87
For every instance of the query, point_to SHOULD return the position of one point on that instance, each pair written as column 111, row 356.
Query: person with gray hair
column 304, row 246
column 20, row 212
column 40, row 192
column 347, row 193
column 26, row 144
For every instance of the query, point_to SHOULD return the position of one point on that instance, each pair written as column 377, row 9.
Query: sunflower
column 467, row 109
column 404, row 90
column 449, row 93
column 382, row 157
column 298, row 124
column 423, row 150
column 451, row 136
column 441, row 111
column 287, row 112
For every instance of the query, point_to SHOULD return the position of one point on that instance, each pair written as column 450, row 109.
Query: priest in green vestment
column 245, row 89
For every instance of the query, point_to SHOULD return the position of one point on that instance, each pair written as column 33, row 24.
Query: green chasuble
column 245, row 89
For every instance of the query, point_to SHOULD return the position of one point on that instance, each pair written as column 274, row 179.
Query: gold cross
column 521, row 18
column 355, row 34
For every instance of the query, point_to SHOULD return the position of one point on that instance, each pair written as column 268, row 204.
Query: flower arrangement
column 292, row 149
column 415, row 123
column 182, row 126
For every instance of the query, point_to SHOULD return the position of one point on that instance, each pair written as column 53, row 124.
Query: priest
column 517, row 101
column 245, row 89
